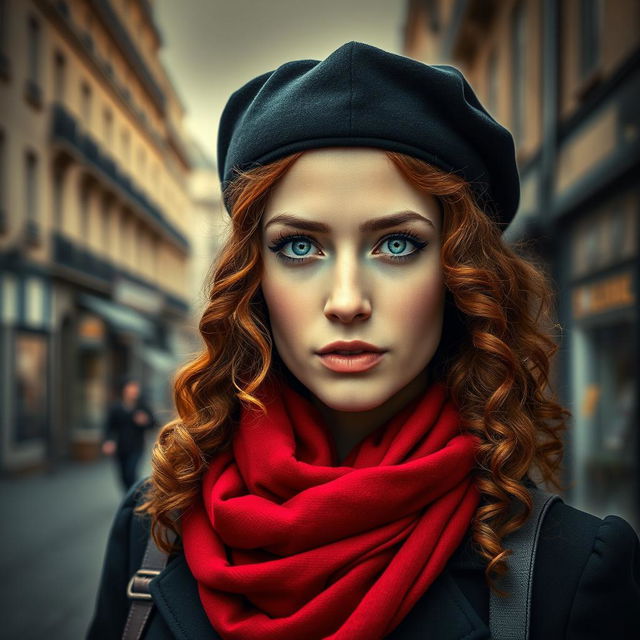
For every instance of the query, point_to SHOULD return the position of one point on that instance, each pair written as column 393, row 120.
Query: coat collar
column 444, row 611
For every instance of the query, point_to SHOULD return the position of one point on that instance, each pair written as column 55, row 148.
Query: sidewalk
column 53, row 541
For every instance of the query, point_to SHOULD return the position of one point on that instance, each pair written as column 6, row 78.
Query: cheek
column 422, row 307
column 289, row 307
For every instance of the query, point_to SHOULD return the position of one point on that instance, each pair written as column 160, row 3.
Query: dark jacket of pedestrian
column 126, row 425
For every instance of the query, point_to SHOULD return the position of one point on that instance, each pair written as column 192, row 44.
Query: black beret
column 363, row 96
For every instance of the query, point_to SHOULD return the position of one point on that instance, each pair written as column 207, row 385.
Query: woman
column 355, row 442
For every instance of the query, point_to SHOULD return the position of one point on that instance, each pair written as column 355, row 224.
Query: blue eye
column 301, row 246
column 396, row 244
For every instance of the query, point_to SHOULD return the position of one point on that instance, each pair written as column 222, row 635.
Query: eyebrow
column 376, row 224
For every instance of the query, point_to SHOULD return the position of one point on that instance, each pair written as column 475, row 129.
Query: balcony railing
column 59, row 12
column 69, row 254
column 110, row 18
column 65, row 128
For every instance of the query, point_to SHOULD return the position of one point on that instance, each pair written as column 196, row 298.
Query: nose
column 347, row 299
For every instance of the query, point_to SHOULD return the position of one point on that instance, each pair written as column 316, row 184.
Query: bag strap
column 509, row 617
column 153, row 562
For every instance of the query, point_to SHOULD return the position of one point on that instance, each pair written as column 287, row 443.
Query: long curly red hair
column 494, row 357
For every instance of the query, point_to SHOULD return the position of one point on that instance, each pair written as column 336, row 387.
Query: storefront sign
column 613, row 292
column 136, row 296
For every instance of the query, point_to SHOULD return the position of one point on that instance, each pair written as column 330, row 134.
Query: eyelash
column 284, row 238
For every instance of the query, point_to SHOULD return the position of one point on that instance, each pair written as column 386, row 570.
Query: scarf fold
column 285, row 544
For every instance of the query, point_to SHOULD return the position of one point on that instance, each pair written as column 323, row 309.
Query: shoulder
column 125, row 547
column 130, row 528
column 587, row 576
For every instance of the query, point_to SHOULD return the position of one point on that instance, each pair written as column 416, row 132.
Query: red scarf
column 285, row 545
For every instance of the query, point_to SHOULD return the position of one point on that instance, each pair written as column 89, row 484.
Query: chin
column 351, row 399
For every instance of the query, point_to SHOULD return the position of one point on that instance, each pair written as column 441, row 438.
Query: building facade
column 564, row 78
column 212, row 225
column 94, row 222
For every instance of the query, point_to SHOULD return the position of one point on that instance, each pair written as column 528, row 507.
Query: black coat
column 586, row 586
column 120, row 426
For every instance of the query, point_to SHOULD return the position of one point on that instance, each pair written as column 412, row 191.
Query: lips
column 352, row 363
column 355, row 356
column 350, row 348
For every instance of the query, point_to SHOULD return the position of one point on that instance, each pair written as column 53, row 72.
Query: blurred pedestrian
column 127, row 420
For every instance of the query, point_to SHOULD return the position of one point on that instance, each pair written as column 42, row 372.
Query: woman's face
column 362, row 273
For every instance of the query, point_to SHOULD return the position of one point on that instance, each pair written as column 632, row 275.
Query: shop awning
column 122, row 319
column 159, row 359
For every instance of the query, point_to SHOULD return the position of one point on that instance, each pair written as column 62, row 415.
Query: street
column 53, row 540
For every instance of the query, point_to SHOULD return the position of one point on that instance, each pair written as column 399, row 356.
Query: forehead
column 346, row 185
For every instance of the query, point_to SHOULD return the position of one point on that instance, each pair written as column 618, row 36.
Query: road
column 52, row 542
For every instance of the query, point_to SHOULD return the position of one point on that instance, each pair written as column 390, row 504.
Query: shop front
column 604, row 355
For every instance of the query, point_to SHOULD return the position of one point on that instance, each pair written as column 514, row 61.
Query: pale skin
column 344, row 284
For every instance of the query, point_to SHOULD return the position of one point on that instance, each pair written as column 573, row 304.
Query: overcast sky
column 212, row 47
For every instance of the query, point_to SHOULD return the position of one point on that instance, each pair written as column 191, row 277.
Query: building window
column 590, row 21
column 33, row 92
column 4, row 60
column 106, row 232
column 3, row 211
column 33, row 43
column 124, row 238
column 130, row 240
column 2, row 165
column 87, row 38
column 31, row 186
column 58, row 177
column 127, row 85
column 84, row 210
column 107, row 117
column 59, row 77
column 116, row 241
column 108, row 61
column 31, row 386
column 155, row 246
column 125, row 146
column 139, row 247
column 86, row 105
column 32, row 231
column 3, row 24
